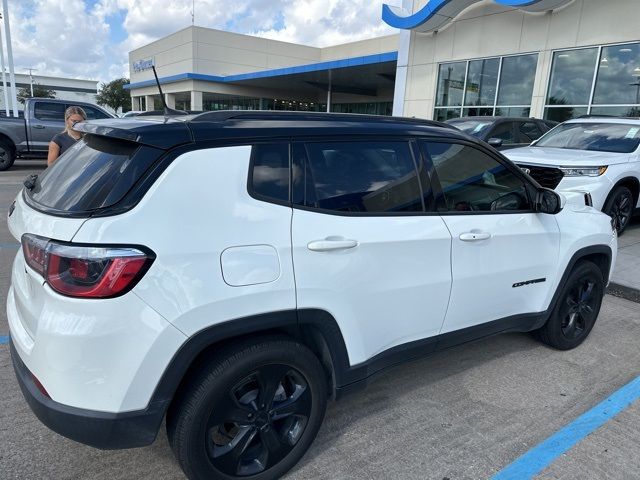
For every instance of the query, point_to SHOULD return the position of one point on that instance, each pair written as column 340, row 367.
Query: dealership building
column 554, row 59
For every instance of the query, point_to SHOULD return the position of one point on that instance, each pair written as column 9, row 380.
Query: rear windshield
column 597, row 137
column 472, row 127
column 95, row 173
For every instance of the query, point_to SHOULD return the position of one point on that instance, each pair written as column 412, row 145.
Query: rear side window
column 359, row 177
column 95, row 173
column 49, row 111
column 529, row 131
column 269, row 178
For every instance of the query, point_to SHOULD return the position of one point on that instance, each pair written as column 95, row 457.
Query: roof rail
column 224, row 115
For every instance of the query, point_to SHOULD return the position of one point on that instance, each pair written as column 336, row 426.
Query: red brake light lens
column 86, row 271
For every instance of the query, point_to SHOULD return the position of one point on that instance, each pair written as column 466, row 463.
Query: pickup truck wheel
column 7, row 155
column 577, row 308
column 619, row 206
column 250, row 412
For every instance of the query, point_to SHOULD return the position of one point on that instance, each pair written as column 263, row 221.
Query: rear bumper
column 97, row 429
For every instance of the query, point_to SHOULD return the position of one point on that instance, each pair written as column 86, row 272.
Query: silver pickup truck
column 31, row 133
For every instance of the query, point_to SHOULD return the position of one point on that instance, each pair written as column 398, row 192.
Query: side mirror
column 548, row 201
column 495, row 142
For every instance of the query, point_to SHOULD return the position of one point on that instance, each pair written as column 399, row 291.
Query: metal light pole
column 12, row 76
column 4, row 76
column 31, row 70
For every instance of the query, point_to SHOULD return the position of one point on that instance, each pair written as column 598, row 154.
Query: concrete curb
column 622, row 291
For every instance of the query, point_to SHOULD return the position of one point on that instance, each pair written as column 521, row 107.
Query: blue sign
column 436, row 13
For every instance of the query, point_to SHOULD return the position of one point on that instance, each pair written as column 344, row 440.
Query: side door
column 364, row 249
column 503, row 252
column 45, row 120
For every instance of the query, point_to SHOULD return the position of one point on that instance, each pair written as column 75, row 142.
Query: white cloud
column 70, row 38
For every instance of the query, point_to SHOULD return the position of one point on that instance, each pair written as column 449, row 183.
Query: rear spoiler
column 163, row 134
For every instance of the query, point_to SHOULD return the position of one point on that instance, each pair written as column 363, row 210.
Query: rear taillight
column 86, row 271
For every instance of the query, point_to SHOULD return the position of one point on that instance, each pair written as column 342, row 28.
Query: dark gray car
column 504, row 132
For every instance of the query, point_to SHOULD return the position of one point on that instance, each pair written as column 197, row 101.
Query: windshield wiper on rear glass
column 30, row 181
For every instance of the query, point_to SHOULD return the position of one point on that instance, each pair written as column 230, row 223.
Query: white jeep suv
column 232, row 271
column 597, row 155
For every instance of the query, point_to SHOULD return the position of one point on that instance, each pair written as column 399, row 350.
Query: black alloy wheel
column 619, row 206
column 576, row 309
column 250, row 411
column 259, row 422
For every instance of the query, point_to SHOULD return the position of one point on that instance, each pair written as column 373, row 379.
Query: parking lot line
column 4, row 339
column 544, row 454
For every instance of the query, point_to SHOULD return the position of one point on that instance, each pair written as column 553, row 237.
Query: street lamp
column 636, row 73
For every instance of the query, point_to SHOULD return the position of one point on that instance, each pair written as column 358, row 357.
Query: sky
column 91, row 39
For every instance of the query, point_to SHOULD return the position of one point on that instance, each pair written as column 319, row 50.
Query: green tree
column 39, row 91
column 114, row 95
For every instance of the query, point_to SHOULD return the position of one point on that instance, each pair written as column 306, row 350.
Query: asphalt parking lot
column 465, row 413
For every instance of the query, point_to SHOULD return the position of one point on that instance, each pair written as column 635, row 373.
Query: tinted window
column 618, row 79
column 528, row 131
column 473, row 181
column 372, row 177
column 96, row 172
column 270, row 171
column 503, row 131
column 599, row 137
column 49, row 111
column 94, row 113
column 482, row 81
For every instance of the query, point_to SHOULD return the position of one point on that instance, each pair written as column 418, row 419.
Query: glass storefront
column 227, row 102
column 491, row 86
column 594, row 81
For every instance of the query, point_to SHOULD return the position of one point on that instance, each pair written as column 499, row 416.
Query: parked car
column 597, row 155
column 504, row 133
column 30, row 133
column 232, row 271
column 131, row 113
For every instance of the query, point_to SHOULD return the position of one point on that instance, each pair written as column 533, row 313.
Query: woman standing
column 62, row 141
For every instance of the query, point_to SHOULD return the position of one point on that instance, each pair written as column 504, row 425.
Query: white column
column 329, row 92
column 402, row 65
column 149, row 103
column 170, row 98
column 4, row 77
column 135, row 103
column 196, row 100
column 7, row 31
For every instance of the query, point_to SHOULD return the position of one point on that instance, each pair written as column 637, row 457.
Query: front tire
column 619, row 206
column 7, row 155
column 576, row 309
column 251, row 412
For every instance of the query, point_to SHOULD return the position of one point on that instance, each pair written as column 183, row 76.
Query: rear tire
column 576, row 309
column 7, row 154
column 619, row 206
column 250, row 412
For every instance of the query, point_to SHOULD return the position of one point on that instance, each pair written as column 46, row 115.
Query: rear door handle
column 474, row 236
column 329, row 244
column 40, row 127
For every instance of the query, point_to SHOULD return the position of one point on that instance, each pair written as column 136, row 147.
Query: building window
column 597, row 81
column 492, row 86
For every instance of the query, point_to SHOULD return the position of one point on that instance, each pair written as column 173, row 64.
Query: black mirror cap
column 495, row 142
column 548, row 201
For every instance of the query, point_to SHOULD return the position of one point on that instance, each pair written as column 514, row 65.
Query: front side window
column 528, row 131
column 269, row 177
column 503, row 131
column 473, row 181
column 358, row 177
column 598, row 137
